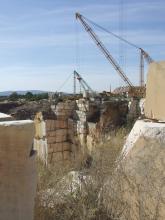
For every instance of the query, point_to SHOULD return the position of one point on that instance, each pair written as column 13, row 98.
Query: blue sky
column 41, row 43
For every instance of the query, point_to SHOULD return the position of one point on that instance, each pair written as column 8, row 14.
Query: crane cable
column 62, row 85
column 111, row 33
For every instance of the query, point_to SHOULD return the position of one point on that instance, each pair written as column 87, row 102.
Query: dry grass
column 84, row 199
column 136, row 189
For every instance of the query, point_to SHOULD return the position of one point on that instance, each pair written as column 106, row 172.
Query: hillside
column 7, row 93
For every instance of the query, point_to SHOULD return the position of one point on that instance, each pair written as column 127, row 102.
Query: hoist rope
column 111, row 33
column 63, row 84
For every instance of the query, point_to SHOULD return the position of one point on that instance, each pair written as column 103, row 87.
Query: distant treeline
column 29, row 96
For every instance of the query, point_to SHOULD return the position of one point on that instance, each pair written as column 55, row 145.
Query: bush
column 14, row 96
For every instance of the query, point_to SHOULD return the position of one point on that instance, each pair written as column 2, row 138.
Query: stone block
column 51, row 133
column 66, row 146
column 61, row 135
column 49, row 157
column 61, row 124
column 50, row 125
column 51, row 140
column 67, row 155
column 72, row 126
column 50, row 148
column 18, row 172
column 155, row 91
column 57, row 156
column 57, row 147
column 64, row 109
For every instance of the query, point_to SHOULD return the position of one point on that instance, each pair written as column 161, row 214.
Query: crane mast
column 146, row 56
column 106, row 53
column 82, row 82
column 141, row 78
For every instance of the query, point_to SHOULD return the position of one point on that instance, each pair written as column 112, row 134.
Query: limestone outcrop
column 137, row 190
column 146, row 129
column 155, row 90
column 18, row 172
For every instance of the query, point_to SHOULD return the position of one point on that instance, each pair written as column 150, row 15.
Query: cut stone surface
column 155, row 91
column 18, row 171
column 144, row 129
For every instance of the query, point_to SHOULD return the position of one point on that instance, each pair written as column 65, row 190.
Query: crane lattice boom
column 101, row 46
column 84, row 84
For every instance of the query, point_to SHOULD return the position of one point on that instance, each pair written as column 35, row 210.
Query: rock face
column 155, row 105
column 134, row 109
column 113, row 114
column 6, row 107
column 138, row 184
column 18, row 173
column 28, row 110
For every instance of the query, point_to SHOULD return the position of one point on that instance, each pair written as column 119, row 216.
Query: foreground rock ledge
column 137, row 190
column 18, row 173
column 146, row 129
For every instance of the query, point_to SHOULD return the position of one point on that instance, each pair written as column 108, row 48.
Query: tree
column 14, row 96
column 29, row 96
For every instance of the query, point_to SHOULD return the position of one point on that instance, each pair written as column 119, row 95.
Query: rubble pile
column 28, row 110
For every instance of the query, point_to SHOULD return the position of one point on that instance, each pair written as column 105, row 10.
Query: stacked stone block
column 51, row 139
column 64, row 110
column 59, row 148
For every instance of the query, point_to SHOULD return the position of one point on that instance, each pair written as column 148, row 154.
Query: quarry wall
column 76, row 128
